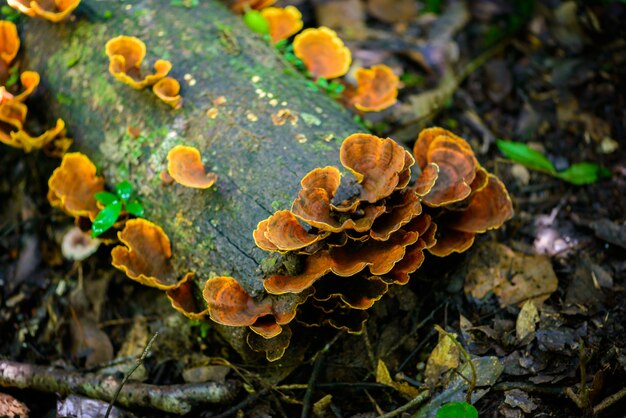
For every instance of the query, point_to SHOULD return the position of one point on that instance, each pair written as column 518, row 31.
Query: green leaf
column 135, row 208
column 583, row 173
column 124, row 190
column 457, row 410
column 256, row 22
column 521, row 153
column 106, row 198
column 106, row 218
column 322, row 82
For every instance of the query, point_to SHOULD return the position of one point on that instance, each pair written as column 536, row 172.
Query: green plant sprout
column 114, row 203
column 457, row 410
column 578, row 174
column 256, row 21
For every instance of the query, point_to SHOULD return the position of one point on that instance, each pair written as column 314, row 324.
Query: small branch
column 413, row 403
column 138, row 363
column 608, row 401
column 317, row 367
column 175, row 399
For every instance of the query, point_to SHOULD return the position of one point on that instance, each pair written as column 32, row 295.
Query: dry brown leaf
column 526, row 320
column 383, row 376
column 444, row 357
column 513, row 277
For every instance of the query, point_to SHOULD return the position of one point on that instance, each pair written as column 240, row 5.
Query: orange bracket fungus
column 229, row 304
column 12, row 117
column 284, row 22
column 73, row 185
column 126, row 53
column 29, row 80
column 167, row 90
column 240, row 6
column 9, row 42
column 376, row 163
column 369, row 233
column 377, row 88
column 145, row 255
column 185, row 166
column 54, row 11
column 322, row 52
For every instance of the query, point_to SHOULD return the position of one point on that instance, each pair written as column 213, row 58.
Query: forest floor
column 540, row 305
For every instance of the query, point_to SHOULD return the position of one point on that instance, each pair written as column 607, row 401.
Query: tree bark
column 259, row 163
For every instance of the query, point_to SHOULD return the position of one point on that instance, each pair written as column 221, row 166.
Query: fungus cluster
column 356, row 235
column 54, row 11
column 13, row 110
column 126, row 54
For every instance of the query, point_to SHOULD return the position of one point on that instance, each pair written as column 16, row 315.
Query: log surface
column 259, row 164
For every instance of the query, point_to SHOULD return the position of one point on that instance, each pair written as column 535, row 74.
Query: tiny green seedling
column 578, row 174
column 114, row 203
column 256, row 22
column 332, row 88
column 457, row 410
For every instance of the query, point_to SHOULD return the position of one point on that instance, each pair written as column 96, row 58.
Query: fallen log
column 266, row 128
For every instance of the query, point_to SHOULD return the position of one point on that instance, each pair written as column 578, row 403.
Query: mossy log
column 259, row 162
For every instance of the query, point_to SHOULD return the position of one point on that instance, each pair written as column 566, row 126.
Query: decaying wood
column 175, row 399
column 222, row 67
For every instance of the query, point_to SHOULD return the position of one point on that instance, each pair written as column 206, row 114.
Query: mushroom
column 184, row 165
column 283, row 22
column 77, row 245
column 322, row 52
column 126, row 53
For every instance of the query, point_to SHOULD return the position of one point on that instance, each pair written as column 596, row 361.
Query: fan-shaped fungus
column 375, row 162
column 455, row 161
column 283, row 22
column 12, row 117
column 126, row 53
column 73, row 185
column 239, row 6
column 145, row 255
column 54, row 11
column 9, row 41
column 377, row 88
column 185, row 166
column 167, row 90
column 323, row 53
column 22, row 139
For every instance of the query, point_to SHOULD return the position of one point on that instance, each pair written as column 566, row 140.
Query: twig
column 336, row 385
column 368, row 347
column 233, row 410
column 413, row 403
column 174, row 399
column 526, row 387
column 417, row 349
column 608, row 401
column 138, row 363
column 317, row 367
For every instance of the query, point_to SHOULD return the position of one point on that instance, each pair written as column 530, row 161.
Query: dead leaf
column 444, row 357
column 526, row 320
column 383, row 376
column 392, row 11
column 90, row 342
column 513, row 277
column 320, row 408
column 344, row 16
